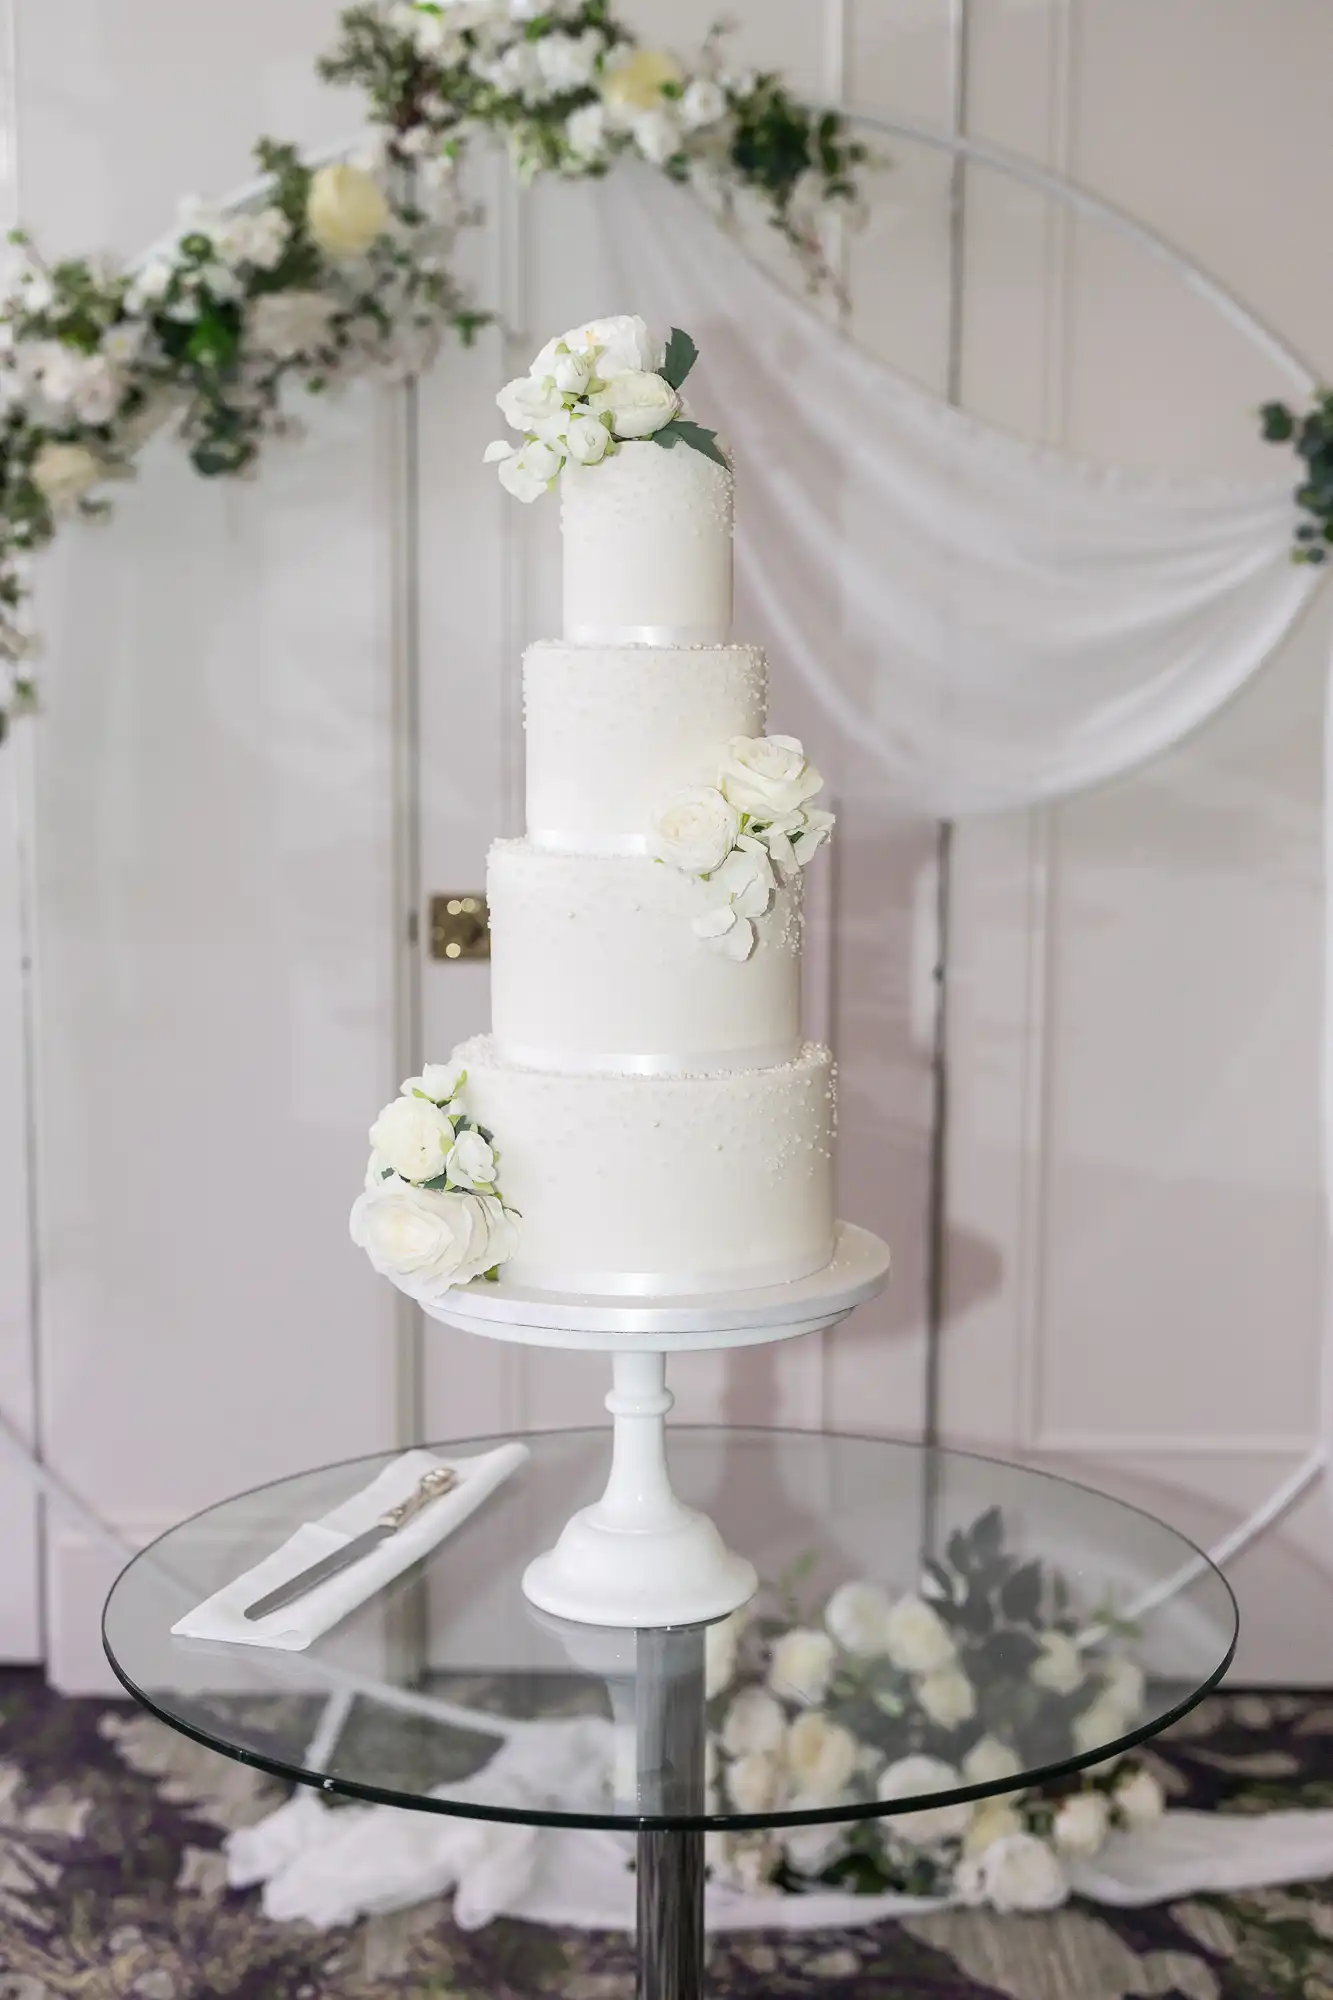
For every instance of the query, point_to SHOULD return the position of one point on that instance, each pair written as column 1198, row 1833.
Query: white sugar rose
column 754, row 1782
column 572, row 373
column 1081, row 1824
column 857, row 1615
column 637, row 403
column 619, row 345
column 1059, row 1667
column 1021, row 1873
column 528, row 472
column 726, row 932
column 802, row 1665
column 745, row 879
column 916, row 1638
column 947, row 1696
column 768, row 775
column 501, row 1233
column 990, row 1762
column 993, row 1819
column 471, row 1163
column 345, row 210
column 696, row 830
column 702, row 103
column 821, row 1757
column 919, row 1777
column 286, row 324
column 438, row 1081
column 424, row 1239
column 413, row 1137
column 63, row 473
column 526, row 401
column 587, row 440
column 1099, row 1726
column 753, row 1722
column 1140, row 1799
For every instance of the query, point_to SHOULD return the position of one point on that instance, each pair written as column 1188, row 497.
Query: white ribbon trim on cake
column 671, row 1284
column 601, row 844
column 522, row 1055
column 648, row 635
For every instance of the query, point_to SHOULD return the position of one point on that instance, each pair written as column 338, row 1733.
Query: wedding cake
column 644, row 1118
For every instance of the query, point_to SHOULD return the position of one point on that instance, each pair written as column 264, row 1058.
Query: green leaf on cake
column 681, row 354
column 681, row 431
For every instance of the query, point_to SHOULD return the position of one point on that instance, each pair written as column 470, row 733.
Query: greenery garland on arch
column 344, row 271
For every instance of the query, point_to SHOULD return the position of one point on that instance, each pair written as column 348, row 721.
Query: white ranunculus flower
column 620, row 344
column 424, row 1239
column 1021, row 1873
column 696, row 830
column 438, row 1081
column 247, row 238
column 919, row 1777
column 755, row 1721
column 702, row 103
column 636, row 82
column 585, row 130
column 768, row 775
column 947, row 1696
column 993, row 1819
column 1140, row 1798
column 745, row 879
column 801, row 1666
column 857, row 1616
column 63, row 473
column 812, row 1849
column 413, row 1137
column 1098, row 1727
column 754, row 1782
column 529, row 400
column 1060, row 1667
column 1123, row 1681
column 345, row 210
column 528, row 473
column 657, row 134
column 821, row 1757
column 569, row 62
column 123, row 343
column 989, row 1762
column 587, row 440
column 572, row 373
column 286, row 324
column 721, row 1641
column 1082, row 1822
column 726, row 932
column 637, row 403
column 916, row 1638
column 471, row 1163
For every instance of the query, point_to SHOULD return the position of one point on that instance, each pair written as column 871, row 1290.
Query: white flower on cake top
column 431, row 1215
column 599, row 385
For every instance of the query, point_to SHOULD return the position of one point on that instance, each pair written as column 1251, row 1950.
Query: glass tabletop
column 932, row 1628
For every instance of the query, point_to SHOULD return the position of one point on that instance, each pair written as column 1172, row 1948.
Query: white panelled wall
column 1135, row 1245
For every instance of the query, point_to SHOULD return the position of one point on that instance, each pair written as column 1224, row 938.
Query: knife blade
column 440, row 1481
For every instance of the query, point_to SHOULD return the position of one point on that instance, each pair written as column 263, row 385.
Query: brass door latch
column 459, row 926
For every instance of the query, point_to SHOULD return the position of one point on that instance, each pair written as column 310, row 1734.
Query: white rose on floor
column 702, row 103
column 857, row 1615
column 345, row 210
column 916, row 1638
column 1140, row 1798
column 754, row 1782
column 636, row 84
column 768, row 775
column 990, row 1762
column 424, row 1239
column 1099, row 1726
column 696, row 830
column 1082, row 1822
column 753, row 1722
column 821, row 1757
column 413, row 1137
column 620, row 345
column 993, row 1819
column 657, row 134
column 1060, row 1666
column 947, row 1696
column 286, row 324
column 745, row 879
column 471, row 1163
column 918, row 1777
column 528, row 400
column 1021, row 1873
column 1123, row 1681
column 721, row 1641
column 63, row 473
column 801, row 1666
column 438, row 1081
column 637, row 403
column 811, row 1849
column 587, row 440
column 585, row 130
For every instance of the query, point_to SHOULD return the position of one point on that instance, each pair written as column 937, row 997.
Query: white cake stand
column 639, row 1557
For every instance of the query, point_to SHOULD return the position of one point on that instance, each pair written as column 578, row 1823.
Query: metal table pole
column 669, row 1741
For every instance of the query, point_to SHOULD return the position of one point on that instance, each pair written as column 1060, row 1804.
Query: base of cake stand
column 639, row 1557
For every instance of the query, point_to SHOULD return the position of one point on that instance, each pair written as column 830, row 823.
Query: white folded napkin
column 293, row 1629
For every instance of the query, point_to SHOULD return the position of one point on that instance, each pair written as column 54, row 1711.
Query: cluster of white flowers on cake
column 587, row 392
column 739, row 835
column 918, row 1697
column 431, row 1215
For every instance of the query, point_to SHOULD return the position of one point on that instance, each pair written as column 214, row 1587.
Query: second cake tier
column 595, row 966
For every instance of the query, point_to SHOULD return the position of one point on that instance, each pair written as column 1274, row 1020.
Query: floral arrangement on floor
column 344, row 271
column 431, row 1215
column 591, row 390
column 737, row 836
column 1312, row 436
column 984, row 1674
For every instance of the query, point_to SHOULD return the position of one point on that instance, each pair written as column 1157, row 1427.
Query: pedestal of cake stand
column 639, row 1557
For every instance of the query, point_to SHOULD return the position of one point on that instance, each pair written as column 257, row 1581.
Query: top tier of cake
column 647, row 548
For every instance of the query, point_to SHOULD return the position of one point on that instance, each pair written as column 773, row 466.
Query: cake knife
column 442, row 1480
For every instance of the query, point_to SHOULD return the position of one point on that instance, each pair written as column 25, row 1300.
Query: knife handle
column 442, row 1480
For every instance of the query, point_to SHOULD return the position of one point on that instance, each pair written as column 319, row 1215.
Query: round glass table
column 1080, row 1625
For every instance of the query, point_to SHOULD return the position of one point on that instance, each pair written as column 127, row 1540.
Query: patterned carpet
column 111, row 1888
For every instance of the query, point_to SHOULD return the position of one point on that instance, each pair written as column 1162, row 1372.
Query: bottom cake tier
column 672, row 1185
